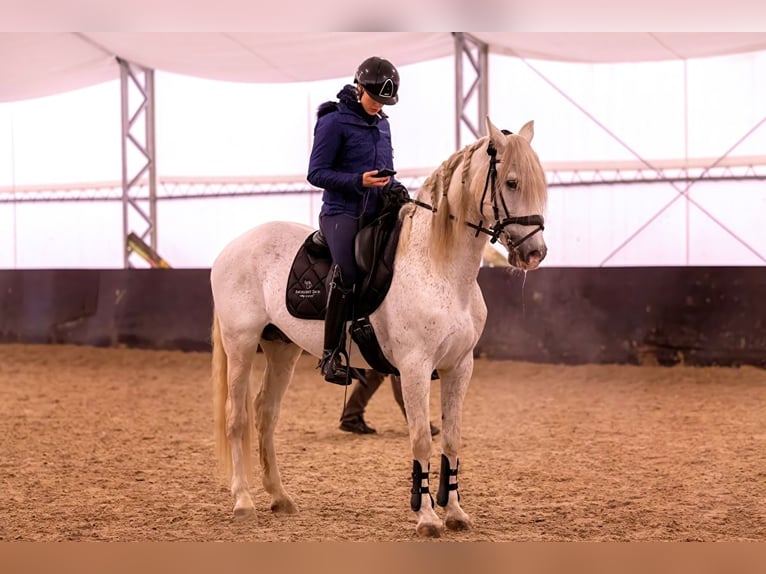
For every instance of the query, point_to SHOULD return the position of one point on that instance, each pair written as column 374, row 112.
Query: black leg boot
column 333, row 369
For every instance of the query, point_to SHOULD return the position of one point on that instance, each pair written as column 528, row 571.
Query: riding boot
column 333, row 369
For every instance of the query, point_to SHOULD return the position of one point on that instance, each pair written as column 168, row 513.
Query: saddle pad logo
column 308, row 291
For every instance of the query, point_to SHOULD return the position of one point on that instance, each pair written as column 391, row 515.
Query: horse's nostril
column 534, row 256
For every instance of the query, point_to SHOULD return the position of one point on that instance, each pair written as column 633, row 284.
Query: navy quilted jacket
column 348, row 142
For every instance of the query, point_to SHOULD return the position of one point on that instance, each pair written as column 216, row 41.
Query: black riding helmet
column 380, row 79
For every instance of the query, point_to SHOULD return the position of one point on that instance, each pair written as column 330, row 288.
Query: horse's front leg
column 454, row 384
column 416, row 389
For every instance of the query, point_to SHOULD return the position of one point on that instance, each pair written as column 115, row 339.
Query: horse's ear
column 527, row 131
column 495, row 135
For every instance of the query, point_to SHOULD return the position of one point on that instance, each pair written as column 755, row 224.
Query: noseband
column 499, row 225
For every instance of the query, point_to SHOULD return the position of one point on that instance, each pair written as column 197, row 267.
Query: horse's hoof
column 457, row 524
column 244, row 512
column 284, row 506
column 428, row 530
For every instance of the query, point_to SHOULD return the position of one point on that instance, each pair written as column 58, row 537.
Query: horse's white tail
column 220, row 395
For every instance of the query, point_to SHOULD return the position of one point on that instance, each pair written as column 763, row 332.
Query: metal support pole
column 139, row 177
column 476, row 53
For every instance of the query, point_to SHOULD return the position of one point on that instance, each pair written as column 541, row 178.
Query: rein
column 499, row 225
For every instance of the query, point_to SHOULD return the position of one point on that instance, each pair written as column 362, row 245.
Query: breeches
column 339, row 232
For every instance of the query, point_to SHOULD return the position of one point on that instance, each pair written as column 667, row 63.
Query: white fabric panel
column 34, row 65
column 271, row 57
column 38, row 64
column 605, row 47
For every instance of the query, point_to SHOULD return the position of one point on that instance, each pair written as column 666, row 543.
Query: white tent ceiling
column 40, row 64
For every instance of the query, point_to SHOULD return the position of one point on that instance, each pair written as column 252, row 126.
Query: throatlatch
column 418, row 476
column 442, row 495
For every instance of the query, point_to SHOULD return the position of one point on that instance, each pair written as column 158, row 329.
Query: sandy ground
column 116, row 445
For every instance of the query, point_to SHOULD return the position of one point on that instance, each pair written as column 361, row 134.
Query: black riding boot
column 333, row 370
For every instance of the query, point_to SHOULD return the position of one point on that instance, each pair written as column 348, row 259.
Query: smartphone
column 384, row 173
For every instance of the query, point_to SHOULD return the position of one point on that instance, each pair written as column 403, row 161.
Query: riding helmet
column 380, row 79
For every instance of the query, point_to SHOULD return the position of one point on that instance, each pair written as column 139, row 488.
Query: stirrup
column 333, row 370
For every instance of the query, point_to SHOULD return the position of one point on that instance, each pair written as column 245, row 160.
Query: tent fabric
column 42, row 64
column 613, row 47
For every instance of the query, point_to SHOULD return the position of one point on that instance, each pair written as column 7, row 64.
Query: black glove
column 395, row 195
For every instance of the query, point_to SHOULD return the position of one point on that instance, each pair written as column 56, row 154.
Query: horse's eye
column 511, row 183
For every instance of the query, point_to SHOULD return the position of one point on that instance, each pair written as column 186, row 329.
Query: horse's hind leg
column 238, row 424
column 281, row 358
column 454, row 385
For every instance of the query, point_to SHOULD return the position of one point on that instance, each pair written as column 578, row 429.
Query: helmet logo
column 387, row 90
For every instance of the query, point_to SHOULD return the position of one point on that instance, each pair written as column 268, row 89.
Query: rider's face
column 370, row 106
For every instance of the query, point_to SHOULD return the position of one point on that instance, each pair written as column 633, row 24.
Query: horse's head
column 520, row 195
column 496, row 186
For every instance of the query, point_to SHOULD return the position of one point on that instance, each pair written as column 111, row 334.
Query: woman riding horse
column 352, row 143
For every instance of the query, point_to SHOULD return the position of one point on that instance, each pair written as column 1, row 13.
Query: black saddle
column 375, row 250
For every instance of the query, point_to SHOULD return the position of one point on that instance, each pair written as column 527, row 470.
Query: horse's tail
column 220, row 395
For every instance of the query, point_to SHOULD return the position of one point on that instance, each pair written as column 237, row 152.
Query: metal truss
column 139, row 181
column 558, row 175
column 662, row 171
column 476, row 54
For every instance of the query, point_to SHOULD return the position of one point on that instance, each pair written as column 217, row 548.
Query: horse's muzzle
column 526, row 261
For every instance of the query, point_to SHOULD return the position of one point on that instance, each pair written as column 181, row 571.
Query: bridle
column 499, row 225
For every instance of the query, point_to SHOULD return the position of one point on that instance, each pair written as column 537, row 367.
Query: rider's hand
column 369, row 181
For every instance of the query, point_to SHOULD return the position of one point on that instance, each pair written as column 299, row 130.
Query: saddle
column 307, row 285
